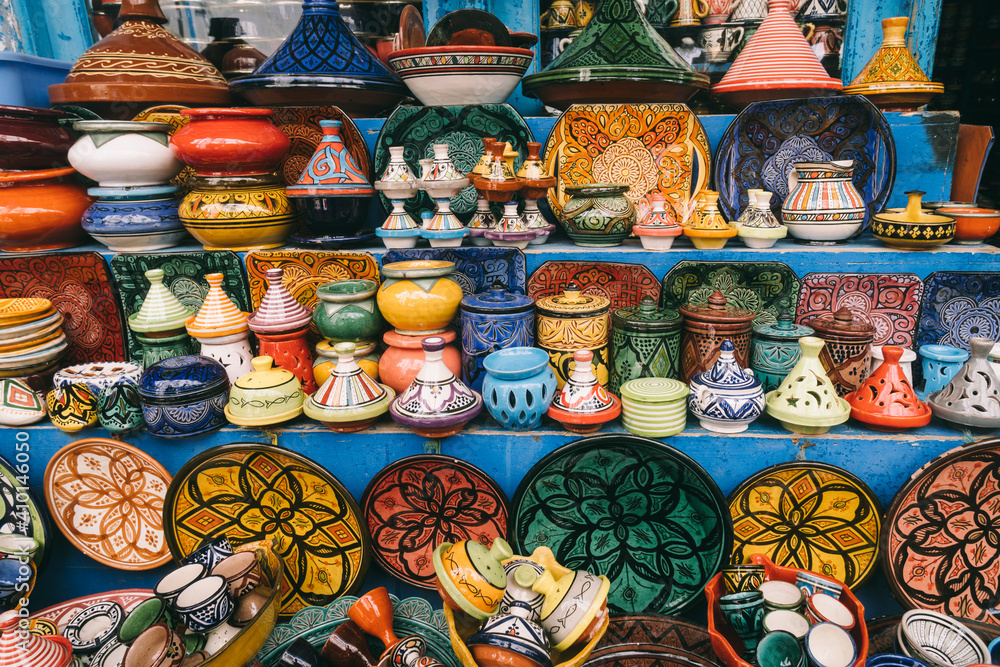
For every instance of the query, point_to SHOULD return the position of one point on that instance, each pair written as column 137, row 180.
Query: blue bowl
column 895, row 660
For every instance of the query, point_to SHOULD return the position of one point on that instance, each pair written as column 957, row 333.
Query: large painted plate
column 251, row 492
column 61, row 614
column 957, row 306
column 305, row 270
column 630, row 629
column 808, row 515
column 419, row 502
column 623, row 284
column 476, row 269
column 20, row 514
column 636, row 510
column 938, row 548
column 463, row 128
column 768, row 289
column 766, row 139
column 649, row 147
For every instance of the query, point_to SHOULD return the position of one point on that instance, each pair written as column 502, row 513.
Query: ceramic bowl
column 94, row 626
column 210, row 553
column 241, row 572
column 781, row 595
column 134, row 219
column 120, row 154
column 347, row 312
column 893, row 660
column 111, row 654
column 248, row 608
column 22, row 405
column 913, row 235
column 460, row 75
column 972, row 225
column 420, row 296
column 41, row 210
column 72, row 408
column 205, row 604
column 811, row 584
column 788, row 621
column 823, row 608
column 238, row 213
column 184, row 396
column 780, row 649
column 33, row 138
column 743, row 578
column 143, row 616
column 99, row 375
column 829, row 645
column 175, row 581
column 159, row 646
column 939, row 640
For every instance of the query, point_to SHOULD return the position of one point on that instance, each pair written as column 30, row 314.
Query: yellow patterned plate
column 251, row 492
column 305, row 270
column 20, row 311
column 808, row 515
column 649, row 147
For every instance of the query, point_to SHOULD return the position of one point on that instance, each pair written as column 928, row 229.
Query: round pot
column 972, row 225
column 419, row 297
column 325, row 219
column 238, row 213
column 847, row 353
column 135, row 221
column 570, row 322
column 706, row 327
column 32, row 138
column 121, row 154
column 346, row 311
column 404, row 358
column 597, row 215
column 518, row 387
column 645, row 342
column 41, row 210
column 184, row 396
column 230, row 142
column 775, row 350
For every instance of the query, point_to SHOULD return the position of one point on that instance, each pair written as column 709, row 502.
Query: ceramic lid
column 646, row 317
column 347, row 291
column 892, row 68
column 596, row 189
column 784, row 330
column 726, row 373
column 218, row 315
column 349, row 394
column 716, row 309
column 278, row 312
column 572, row 303
column 497, row 300
column 914, row 213
column 654, row 390
column 265, row 375
column 842, row 325
column 31, row 651
column 332, row 170
column 418, row 268
column 183, row 379
column 119, row 126
column 160, row 310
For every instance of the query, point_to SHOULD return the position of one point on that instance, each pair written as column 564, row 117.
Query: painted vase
column 494, row 320
column 230, row 142
column 221, row 329
column 134, row 219
column 281, row 324
column 706, row 326
column 574, row 321
column 326, row 359
column 582, row 405
column 119, row 408
column 847, row 353
column 124, row 154
column 238, row 213
column 807, row 401
column 420, row 296
column 823, row 207
column 654, row 407
column 72, row 408
column 972, row 397
column 940, row 363
column 518, row 387
column 41, row 210
column 404, row 357
column 775, row 350
column 350, row 400
column 645, row 342
column 347, row 312
column 597, row 215
column 726, row 398
column 886, row 399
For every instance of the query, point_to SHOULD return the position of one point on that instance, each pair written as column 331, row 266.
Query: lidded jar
column 775, row 349
column 847, row 353
column 493, row 320
column 706, row 325
column 645, row 342
column 574, row 321
column 184, row 396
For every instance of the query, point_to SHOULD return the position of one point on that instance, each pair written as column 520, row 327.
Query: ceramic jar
column 645, row 342
column 264, row 396
column 237, row 213
column 221, row 329
column 807, row 401
column 230, row 142
column 939, row 364
column 281, row 324
column 706, row 326
column 654, row 407
column 420, row 296
column 493, row 320
column 972, row 397
column 404, row 357
column 41, row 210
column 597, row 215
column 33, row 138
column 119, row 408
column 98, row 376
column 134, row 219
column 184, row 396
column 347, row 312
column 582, row 405
column 847, row 353
column 518, row 387
column 726, row 398
column 123, row 154
column 775, row 349
column 823, row 207
column 574, row 321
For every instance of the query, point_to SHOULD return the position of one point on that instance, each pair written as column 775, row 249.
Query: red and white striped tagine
column 46, row 651
column 776, row 63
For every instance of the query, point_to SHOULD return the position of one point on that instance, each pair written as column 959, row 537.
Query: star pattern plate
column 958, row 305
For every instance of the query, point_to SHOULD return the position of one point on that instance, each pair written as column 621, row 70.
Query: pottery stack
column 32, row 340
column 347, row 313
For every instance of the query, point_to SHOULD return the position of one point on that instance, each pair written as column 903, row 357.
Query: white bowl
column 459, row 75
column 822, row 232
column 125, row 154
column 830, row 645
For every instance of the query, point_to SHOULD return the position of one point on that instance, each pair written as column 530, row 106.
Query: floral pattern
column 768, row 289
column 958, row 306
column 628, row 162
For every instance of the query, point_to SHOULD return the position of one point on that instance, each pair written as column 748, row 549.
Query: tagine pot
column 597, row 215
column 230, row 142
column 41, row 210
column 512, row 638
column 404, row 357
column 574, row 608
column 281, row 324
column 31, row 650
column 886, row 399
column 470, row 576
column 582, row 404
column 806, row 401
column 726, row 398
column 264, row 396
column 913, row 228
column 350, row 400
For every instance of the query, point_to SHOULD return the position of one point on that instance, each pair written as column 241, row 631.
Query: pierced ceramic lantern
column 570, row 322
column 886, row 400
column 706, row 326
column 160, row 323
column 350, row 400
column 281, row 324
column 807, row 401
column 847, row 353
column 972, row 397
column 221, row 328
column 645, row 342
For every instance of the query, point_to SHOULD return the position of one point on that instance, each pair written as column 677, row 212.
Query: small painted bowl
column 598, row 214
column 575, row 605
column 829, row 645
column 241, row 571
column 788, row 621
column 780, row 649
column 111, row 654
column 72, row 408
column 823, row 608
column 159, row 646
column 460, row 75
column 914, row 235
column 972, row 225
column 94, row 626
column 926, row 634
column 895, row 660
column 134, row 219
column 21, row 405
column 743, row 578
column 210, row 553
column 347, row 312
column 781, row 595
column 205, row 604
column 470, row 577
column 143, row 616
column 120, row 154
column 175, row 581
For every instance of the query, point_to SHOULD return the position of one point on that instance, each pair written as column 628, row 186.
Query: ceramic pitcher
column 819, row 191
column 690, row 12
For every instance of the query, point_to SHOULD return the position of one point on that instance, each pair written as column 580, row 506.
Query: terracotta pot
column 404, row 358
column 706, row 326
column 41, row 210
column 32, row 138
column 230, row 142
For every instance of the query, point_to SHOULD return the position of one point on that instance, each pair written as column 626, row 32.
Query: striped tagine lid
column 332, row 170
column 777, row 63
column 160, row 311
column 218, row 315
column 17, row 650
column 278, row 312
column 349, row 394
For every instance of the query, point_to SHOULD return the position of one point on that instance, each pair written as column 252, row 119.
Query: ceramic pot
column 743, row 578
column 654, row 407
column 760, row 228
column 847, row 353
column 404, row 357
column 823, row 207
column 748, row 10
column 230, row 142
column 645, row 342
column 72, row 408
column 265, row 395
column 574, row 608
column 281, row 324
column 398, row 181
column 706, row 326
column 205, row 604
column 574, row 321
column 972, row 225
column 41, row 210
column 886, row 399
column 184, row 396
column 795, row 403
column 98, row 376
column 210, row 553
column 237, row 213
column 537, row 182
column 511, row 638
column 159, row 646
column 510, row 230
column 419, row 297
column 744, row 612
column 326, row 360
column 123, row 154
column 119, row 408
column 161, row 313
column 913, row 228
column 31, row 650
column 493, row 320
column 659, row 228
column 707, row 229
column 442, row 228
column 780, row 594
column 939, row 364
column 347, row 312
column 583, row 405
column 822, row 10
column 726, row 398
column 597, row 215
column 779, row 647
column 775, row 350
column 439, row 178
column 518, row 387
column 173, row 344
column 350, row 400
column 33, row 138
column 972, row 397
column 134, row 219
column 470, row 577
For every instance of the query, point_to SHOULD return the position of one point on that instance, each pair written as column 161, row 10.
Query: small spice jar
column 570, row 322
column 775, row 349
column 645, row 342
column 706, row 326
column 847, row 353
column 494, row 320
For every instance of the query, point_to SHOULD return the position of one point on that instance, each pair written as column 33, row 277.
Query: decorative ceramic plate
column 882, row 632
column 463, row 129
column 23, row 518
column 476, row 269
column 888, row 301
column 251, row 492
column 957, row 306
column 412, row 616
column 646, row 655
column 636, row 510
column 765, row 288
column 183, row 273
column 79, row 285
column 107, row 499
column 419, row 502
column 766, row 139
column 808, row 515
column 64, row 612
column 623, row 284
column 937, row 549
column 629, row 629
column 649, row 147
column 305, row 270
column 301, row 125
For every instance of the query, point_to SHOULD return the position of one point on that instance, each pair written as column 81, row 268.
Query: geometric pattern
column 628, row 629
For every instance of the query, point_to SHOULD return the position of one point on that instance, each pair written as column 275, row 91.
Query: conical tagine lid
column 777, row 63
column 332, row 170
column 618, row 58
column 435, row 398
column 582, row 400
column 160, row 310
column 47, row 651
column 886, row 398
column 218, row 315
column 349, row 394
column 972, row 398
column 278, row 312
column 806, row 396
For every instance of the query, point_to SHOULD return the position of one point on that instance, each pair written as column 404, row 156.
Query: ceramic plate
column 316, row 624
column 61, row 614
column 649, row 147
column 646, row 655
column 957, row 306
column 251, row 492
column 463, row 129
column 937, row 550
column 765, row 288
column 305, row 270
column 767, row 138
column 107, row 499
column 419, row 502
column 301, row 125
column 79, row 285
column 882, row 632
column 476, row 269
column 808, row 515
column 183, row 273
column 638, row 511
column 623, row 284
column 629, row 629
column 23, row 518
column 888, row 301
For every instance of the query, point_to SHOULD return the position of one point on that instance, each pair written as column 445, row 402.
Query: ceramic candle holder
column 583, row 405
column 886, row 399
column 972, row 397
column 745, row 614
column 205, row 604
column 940, row 363
column 470, row 577
column 519, row 386
column 807, row 402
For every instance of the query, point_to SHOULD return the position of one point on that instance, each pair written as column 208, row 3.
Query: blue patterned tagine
column 775, row 349
column 134, row 219
column 322, row 63
column 493, row 320
column 183, row 396
column 726, row 398
column 518, row 387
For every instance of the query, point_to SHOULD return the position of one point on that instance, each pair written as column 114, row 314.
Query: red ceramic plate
column 64, row 612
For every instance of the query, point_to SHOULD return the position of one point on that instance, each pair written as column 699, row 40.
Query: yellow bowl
column 419, row 297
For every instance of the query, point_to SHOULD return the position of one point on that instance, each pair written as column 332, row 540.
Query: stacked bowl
column 938, row 640
column 654, row 407
column 31, row 337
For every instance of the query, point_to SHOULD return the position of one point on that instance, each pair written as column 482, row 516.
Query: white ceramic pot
column 232, row 351
column 124, row 154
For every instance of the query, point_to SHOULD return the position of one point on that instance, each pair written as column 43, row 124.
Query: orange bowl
column 728, row 646
column 972, row 225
